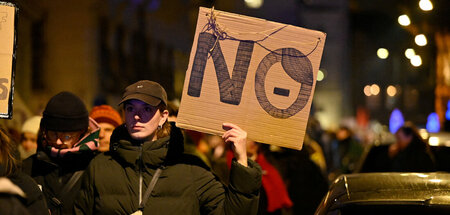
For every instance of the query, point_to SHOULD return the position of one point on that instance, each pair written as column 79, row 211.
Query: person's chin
column 138, row 136
column 103, row 147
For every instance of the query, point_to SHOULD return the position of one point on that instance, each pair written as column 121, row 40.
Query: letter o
column 298, row 67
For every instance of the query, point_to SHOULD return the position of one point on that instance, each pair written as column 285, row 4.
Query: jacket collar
column 154, row 153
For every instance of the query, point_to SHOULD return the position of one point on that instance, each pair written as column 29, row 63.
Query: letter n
column 230, row 88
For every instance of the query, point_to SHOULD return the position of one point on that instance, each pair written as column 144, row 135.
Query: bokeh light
column 447, row 113
column 425, row 5
column 420, row 40
column 374, row 89
column 433, row 141
column 409, row 53
column 382, row 53
column 367, row 90
column 391, row 91
column 404, row 20
column 320, row 75
column 433, row 124
column 255, row 4
column 416, row 61
column 396, row 120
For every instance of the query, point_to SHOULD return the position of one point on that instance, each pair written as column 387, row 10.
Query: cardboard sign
column 8, row 19
column 257, row 74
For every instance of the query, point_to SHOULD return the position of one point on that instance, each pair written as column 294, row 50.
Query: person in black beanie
column 67, row 142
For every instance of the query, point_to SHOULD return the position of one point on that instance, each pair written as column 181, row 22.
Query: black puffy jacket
column 186, row 186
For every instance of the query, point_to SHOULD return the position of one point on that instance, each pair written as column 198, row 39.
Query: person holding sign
column 146, row 171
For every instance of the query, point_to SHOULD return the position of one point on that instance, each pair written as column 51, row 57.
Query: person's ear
column 164, row 116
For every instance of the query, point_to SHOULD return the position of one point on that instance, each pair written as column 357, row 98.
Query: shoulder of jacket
column 193, row 162
column 102, row 157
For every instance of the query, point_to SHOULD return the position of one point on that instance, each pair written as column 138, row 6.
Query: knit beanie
column 107, row 114
column 65, row 112
column 31, row 125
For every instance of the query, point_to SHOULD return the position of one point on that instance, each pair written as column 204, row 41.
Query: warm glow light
column 320, row 75
column 435, row 180
column 367, row 90
column 409, row 53
column 433, row 141
column 382, row 53
column 374, row 89
column 404, row 20
column 422, row 175
column 423, row 133
column 391, row 90
column 255, row 4
column 425, row 5
column 416, row 60
column 421, row 40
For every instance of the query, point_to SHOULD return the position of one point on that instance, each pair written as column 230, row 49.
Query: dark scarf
column 76, row 157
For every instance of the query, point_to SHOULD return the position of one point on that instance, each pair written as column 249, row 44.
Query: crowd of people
column 134, row 160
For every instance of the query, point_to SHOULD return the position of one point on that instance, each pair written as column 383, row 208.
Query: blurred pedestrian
column 274, row 198
column 410, row 153
column 67, row 141
column 146, row 171
column 28, row 137
column 108, row 119
column 305, row 182
column 347, row 152
column 29, row 195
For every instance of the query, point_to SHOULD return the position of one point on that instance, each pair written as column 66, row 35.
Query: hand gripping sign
column 270, row 87
column 8, row 21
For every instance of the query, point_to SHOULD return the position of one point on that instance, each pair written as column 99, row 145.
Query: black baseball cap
column 147, row 91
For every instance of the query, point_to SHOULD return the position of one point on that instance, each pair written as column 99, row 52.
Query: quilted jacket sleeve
column 240, row 197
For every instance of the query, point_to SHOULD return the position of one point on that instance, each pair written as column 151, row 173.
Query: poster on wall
column 257, row 74
column 8, row 23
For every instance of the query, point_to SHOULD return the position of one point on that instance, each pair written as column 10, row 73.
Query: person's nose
column 137, row 117
column 59, row 141
column 102, row 134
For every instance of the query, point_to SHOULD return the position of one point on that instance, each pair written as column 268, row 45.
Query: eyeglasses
column 65, row 137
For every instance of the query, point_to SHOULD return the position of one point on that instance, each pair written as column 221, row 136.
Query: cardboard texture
column 257, row 74
column 7, row 57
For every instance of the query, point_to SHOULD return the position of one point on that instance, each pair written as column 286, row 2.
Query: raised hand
column 237, row 137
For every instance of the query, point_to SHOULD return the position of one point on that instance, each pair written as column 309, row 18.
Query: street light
column 420, row 40
column 382, row 53
column 367, row 90
column 320, row 75
column 255, row 4
column 416, row 60
column 425, row 5
column 404, row 20
column 391, row 91
column 374, row 89
column 409, row 53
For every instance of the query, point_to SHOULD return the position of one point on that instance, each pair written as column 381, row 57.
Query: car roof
column 431, row 189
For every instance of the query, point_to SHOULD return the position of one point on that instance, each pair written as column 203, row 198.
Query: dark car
column 388, row 193
column 440, row 146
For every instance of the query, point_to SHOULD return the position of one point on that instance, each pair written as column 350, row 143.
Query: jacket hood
column 163, row 151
